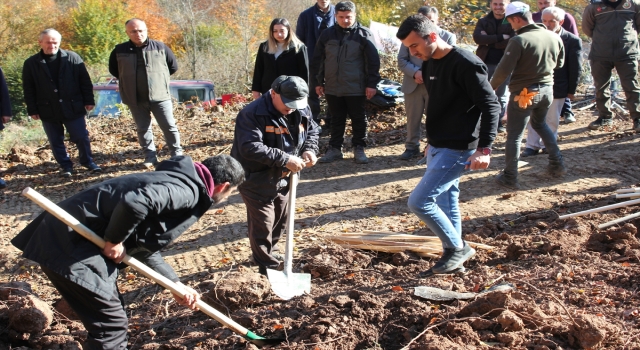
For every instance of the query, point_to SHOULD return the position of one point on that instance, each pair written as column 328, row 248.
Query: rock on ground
column 29, row 314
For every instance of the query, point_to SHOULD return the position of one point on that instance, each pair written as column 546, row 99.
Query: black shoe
column 600, row 122
column 66, row 172
column 2, row 184
column 528, row 152
column 332, row 154
column 510, row 184
column 359, row 156
column 409, row 153
column 557, row 169
column 636, row 125
column 453, row 258
column 93, row 167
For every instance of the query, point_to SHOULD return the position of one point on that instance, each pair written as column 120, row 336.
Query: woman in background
column 282, row 54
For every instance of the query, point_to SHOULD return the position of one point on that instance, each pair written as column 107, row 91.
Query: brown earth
column 574, row 286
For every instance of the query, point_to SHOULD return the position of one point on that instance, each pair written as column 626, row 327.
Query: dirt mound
column 326, row 262
column 239, row 289
column 29, row 314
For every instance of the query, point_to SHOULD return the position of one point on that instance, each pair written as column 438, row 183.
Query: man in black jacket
column 274, row 135
column 143, row 68
column 58, row 91
column 137, row 214
column 345, row 67
column 5, row 110
column 458, row 138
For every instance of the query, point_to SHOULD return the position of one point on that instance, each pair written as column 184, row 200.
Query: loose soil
column 573, row 286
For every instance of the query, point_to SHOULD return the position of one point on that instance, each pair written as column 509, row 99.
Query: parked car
column 191, row 93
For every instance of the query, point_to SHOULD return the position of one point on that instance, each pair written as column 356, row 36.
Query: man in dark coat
column 138, row 214
column 274, row 135
column 58, row 91
column 5, row 110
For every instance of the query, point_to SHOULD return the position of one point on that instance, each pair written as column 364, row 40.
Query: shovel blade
column 287, row 286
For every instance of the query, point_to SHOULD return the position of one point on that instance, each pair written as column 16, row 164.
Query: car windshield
column 106, row 101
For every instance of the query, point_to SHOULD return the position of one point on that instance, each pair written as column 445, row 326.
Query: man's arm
column 561, row 53
column 172, row 62
column 481, row 37
column 477, row 87
column 452, row 39
column 588, row 21
column 404, row 62
column 317, row 63
column 113, row 64
column 249, row 130
column 5, row 101
column 86, row 86
column 574, row 61
column 507, row 64
column 372, row 60
column 29, row 89
column 301, row 26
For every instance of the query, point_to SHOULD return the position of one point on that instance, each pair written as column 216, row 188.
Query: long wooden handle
column 77, row 226
column 288, row 254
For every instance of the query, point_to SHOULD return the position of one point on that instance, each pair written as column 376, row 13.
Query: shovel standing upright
column 287, row 284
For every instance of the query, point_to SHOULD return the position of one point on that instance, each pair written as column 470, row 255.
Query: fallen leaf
column 278, row 326
column 131, row 276
column 350, row 275
column 219, row 211
column 224, row 260
column 433, row 320
column 626, row 264
column 476, row 288
column 397, row 289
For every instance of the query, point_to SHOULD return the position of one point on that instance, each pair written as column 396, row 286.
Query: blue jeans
column 163, row 113
column 435, row 199
column 518, row 119
column 78, row 134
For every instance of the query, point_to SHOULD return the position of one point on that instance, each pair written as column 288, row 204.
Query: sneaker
column 557, row 169
column 502, row 181
column 331, row 155
column 600, row 122
column 93, row 167
column 636, row 125
column 150, row 162
column 452, row 259
column 569, row 118
column 409, row 153
column 501, row 128
column 528, row 152
column 359, row 156
column 66, row 172
column 3, row 184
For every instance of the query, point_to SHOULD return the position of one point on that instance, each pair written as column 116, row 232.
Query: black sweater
column 459, row 92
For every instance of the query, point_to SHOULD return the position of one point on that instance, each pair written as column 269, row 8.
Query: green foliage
column 21, row 133
column 12, row 67
column 98, row 25
column 378, row 11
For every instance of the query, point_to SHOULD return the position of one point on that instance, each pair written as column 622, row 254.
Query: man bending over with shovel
column 274, row 135
column 459, row 138
column 136, row 214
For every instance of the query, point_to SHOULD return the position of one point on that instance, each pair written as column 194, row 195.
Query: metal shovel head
column 287, row 286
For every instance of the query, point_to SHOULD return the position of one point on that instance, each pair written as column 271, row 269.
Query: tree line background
column 213, row 39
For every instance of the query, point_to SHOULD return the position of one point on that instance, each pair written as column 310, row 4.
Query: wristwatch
column 484, row 150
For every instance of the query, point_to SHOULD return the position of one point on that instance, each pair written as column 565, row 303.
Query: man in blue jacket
column 136, row 214
column 5, row 110
column 274, row 135
column 311, row 23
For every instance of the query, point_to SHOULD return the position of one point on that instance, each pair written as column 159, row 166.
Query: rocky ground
column 565, row 284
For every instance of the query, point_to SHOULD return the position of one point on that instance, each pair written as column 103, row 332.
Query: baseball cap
column 515, row 8
column 293, row 91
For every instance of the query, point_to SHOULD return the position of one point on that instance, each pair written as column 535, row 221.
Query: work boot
column 528, row 152
column 557, row 169
column 331, row 155
column 409, row 153
column 636, row 125
column 453, row 258
column 93, row 167
column 66, row 171
column 600, row 122
column 359, row 156
column 504, row 182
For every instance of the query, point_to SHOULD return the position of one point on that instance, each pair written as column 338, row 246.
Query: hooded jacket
column 614, row 31
column 146, row 211
column 263, row 141
column 345, row 61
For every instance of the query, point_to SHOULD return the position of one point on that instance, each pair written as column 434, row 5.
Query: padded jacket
column 613, row 31
column 345, row 61
column 494, row 35
column 263, row 141
column 56, row 103
column 160, row 61
column 146, row 211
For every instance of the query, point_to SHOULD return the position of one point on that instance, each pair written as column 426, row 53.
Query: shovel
column 287, row 284
column 72, row 222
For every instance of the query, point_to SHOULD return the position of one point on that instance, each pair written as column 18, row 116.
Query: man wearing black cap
column 274, row 135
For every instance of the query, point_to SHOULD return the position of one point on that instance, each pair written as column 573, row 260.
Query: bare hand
column 115, row 252
column 370, row 93
column 295, row 164
column 35, row 116
column 6, row 119
column 320, row 91
column 190, row 299
column 478, row 161
column 89, row 107
column 309, row 158
column 571, row 96
column 418, row 77
column 256, row 94
column 505, row 36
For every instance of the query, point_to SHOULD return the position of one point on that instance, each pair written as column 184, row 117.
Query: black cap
column 293, row 91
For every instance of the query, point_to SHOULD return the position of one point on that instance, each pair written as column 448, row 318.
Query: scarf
column 205, row 175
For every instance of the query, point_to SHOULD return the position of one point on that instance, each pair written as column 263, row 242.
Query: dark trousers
column 78, row 134
column 341, row 107
column 104, row 319
column 566, row 108
column 267, row 222
column 628, row 73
